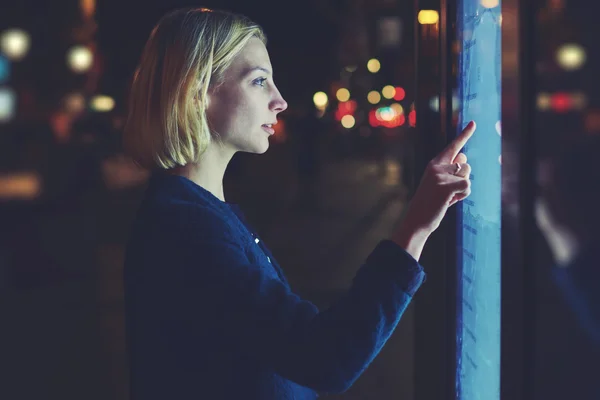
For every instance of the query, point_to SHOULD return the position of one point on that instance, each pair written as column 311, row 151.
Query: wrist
column 411, row 238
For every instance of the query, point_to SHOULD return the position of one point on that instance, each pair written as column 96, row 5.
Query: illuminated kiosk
column 473, row 316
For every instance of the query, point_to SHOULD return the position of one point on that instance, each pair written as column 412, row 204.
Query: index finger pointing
column 457, row 144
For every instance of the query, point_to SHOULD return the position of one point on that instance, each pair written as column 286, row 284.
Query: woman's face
column 244, row 107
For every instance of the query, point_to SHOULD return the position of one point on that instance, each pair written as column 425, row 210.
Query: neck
column 209, row 171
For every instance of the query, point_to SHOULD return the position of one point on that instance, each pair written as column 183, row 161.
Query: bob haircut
column 187, row 53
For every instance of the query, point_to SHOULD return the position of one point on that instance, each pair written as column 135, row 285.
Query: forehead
column 254, row 54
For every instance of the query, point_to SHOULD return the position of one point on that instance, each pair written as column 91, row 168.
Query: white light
column 434, row 103
column 387, row 114
column 571, row 56
column 7, row 104
column 499, row 128
column 80, row 59
column 320, row 99
column 15, row 43
column 102, row 103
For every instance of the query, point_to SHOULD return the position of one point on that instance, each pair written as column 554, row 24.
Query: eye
column 260, row 82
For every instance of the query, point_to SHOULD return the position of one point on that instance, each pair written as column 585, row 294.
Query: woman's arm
column 326, row 351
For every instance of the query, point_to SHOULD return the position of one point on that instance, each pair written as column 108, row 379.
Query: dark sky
column 300, row 38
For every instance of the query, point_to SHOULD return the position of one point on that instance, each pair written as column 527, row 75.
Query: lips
column 269, row 127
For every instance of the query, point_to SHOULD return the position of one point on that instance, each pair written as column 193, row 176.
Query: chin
column 256, row 149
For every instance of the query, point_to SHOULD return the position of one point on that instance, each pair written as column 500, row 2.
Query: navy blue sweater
column 210, row 315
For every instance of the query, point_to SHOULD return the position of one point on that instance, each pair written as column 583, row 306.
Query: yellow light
column 397, row 108
column 15, row 43
column 571, row 56
column 102, row 103
column 490, row 3
column 428, row 17
column 343, row 94
column 80, row 59
column 320, row 100
column 373, row 65
column 543, row 101
column 388, row 91
column 374, row 97
column 348, row 121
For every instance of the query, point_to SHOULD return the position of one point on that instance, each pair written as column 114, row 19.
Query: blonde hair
column 188, row 51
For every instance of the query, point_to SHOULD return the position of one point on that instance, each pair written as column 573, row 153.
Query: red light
column 373, row 119
column 401, row 120
column 348, row 106
column 345, row 108
column 412, row 118
column 400, row 94
column 560, row 102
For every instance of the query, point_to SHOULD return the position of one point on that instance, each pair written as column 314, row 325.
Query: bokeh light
column 374, row 97
column 428, row 17
column 388, row 92
column 15, row 43
column 80, row 59
column 102, row 103
column 348, row 121
column 343, row 94
column 373, row 65
column 320, row 99
column 571, row 56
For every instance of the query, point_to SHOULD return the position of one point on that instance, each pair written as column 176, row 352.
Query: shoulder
column 200, row 221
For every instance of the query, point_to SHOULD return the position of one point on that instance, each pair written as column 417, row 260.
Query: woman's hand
column 444, row 183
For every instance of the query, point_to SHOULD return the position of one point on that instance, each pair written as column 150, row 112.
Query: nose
column 278, row 104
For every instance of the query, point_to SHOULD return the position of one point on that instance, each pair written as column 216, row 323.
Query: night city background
column 336, row 179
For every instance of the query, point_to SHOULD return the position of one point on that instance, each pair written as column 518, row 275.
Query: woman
column 209, row 312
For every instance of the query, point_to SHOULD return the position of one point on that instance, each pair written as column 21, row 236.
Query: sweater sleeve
column 323, row 350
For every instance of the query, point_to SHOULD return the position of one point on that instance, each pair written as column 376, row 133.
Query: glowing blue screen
column 478, row 333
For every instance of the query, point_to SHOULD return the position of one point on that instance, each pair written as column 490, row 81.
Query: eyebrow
column 248, row 71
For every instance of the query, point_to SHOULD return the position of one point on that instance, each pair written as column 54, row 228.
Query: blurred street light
column 348, row 121
column 74, row 102
column 428, row 17
column 7, row 104
column 374, row 97
column 102, row 103
column 320, row 99
column 388, row 91
column 343, row 94
column 571, row 56
column 373, row 65
column 80, row 59
column 15, row 43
